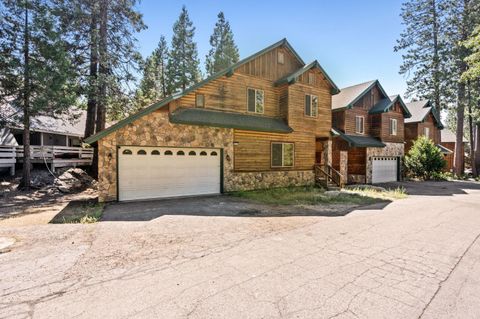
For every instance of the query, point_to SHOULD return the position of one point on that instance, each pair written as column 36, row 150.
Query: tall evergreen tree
column 224, row 51
column 153, row 85
column 36, row 74
column 424, row 60
column 183, row 61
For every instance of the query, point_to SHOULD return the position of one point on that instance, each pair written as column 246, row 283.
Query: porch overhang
column 358, row 141
column 444, row 150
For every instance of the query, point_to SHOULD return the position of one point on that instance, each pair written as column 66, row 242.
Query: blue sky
column 352, row 40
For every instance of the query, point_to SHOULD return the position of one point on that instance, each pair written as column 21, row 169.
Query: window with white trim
column 311, row 78
column 359, row 124
column 311, row 105
column 426, row 132
column 283, row 154
column 199, row 100
column 255, row 100
column 393, row 126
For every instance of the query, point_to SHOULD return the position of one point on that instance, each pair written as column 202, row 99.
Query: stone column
column 344, row 166
column 329, row 152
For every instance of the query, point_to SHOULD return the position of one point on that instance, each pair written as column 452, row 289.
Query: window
column 311, row 78
column 181, row 153
column 155, row 152
column 213, row 153
column 426, row 131
column 393, row 127
column 255, row 101
column 200, row 100
column 283, row 154
column 127, row 152
column 141, row 152
column 281, row 58
column 203, row 153
column 359, row 124
column 192, row 153
column 168, row 152
column 311, row 105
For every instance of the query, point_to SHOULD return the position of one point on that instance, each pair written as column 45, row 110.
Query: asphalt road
column 414, row 258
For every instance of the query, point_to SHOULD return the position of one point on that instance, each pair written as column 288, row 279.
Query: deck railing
column 52, row 152
column 326, row 174
column 8, row 157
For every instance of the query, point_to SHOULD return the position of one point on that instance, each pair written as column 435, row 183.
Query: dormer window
column 426, row 132
column 311, row 78
column 393, row 126
column 359, row 124
column 256, row 101
column 200, row 100
column 311, row 105
column 281, row 58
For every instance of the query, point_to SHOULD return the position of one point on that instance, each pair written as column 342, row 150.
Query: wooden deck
column 8, row 157
column 57, row 156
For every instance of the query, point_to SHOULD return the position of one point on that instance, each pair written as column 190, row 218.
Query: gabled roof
column 358, row 141
column 420, row 110
column 385, row 104
column 449, row 137
column 195, row 116
column 292, row 78
column 72, row 124
column 226, row 72
column 350, row 95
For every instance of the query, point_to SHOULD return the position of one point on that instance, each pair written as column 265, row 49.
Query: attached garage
column 159, row 172
column 384, row 169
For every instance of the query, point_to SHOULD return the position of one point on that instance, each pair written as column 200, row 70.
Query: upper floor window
column 283, row 154
column 281, row 57
column 393, row 126
column 256, row 100
column 426, row 131
column 311, row 105
column 200, row 100
column 359, row 124
column 311, row 78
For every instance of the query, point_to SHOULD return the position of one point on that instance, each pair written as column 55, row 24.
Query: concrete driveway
column 417, row 257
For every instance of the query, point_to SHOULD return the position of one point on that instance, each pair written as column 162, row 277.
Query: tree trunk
column 458, row 165
column 26, row 176
column 102, row 68
column 92, row 85
column 436, row 59
column 476, row 151
column 471, row 133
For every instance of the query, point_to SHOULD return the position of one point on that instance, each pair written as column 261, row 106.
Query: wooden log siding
column 395, row 113
column 266, row 65
column 338, row 120
column 357, row 160
column 252, row 153
column 434, row 131
column 230, row 94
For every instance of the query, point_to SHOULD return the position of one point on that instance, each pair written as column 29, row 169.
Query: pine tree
column 424, row 60
column 224, row 51
column 183, row 61
column 153, row 85
column 37, row 75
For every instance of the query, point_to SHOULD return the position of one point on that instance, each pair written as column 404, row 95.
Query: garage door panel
column 155, row 176
column 384, row 169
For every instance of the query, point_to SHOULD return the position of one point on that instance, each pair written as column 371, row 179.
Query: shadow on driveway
column 221, row 205
column 434, row 188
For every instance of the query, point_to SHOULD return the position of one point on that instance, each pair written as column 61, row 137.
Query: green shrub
column 424, row 159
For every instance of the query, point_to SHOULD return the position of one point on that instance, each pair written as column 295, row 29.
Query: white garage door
column 156, row 172
column 384, row 169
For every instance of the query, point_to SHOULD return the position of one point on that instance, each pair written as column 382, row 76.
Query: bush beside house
column 424, row 160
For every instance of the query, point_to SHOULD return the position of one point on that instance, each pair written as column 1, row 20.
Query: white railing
column 52, row 152
column 7, row 154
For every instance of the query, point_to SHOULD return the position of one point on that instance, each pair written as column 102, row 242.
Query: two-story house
column 369, row 129
column 425, row 121
column 260, row 123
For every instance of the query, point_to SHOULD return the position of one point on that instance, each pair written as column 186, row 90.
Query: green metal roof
column 444, row 150
column 359, row 141
column 226, row 72
column 385, row 104
column 292, row 78
column 195, row 116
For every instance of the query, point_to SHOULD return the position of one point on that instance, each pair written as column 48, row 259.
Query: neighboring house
column 263, row 122
column 448, row 140
column 369, row 130
column 425, row 121
column 54, row 140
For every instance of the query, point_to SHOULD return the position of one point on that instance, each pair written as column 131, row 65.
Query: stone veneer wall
column 391, row 149
column 156, row 130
